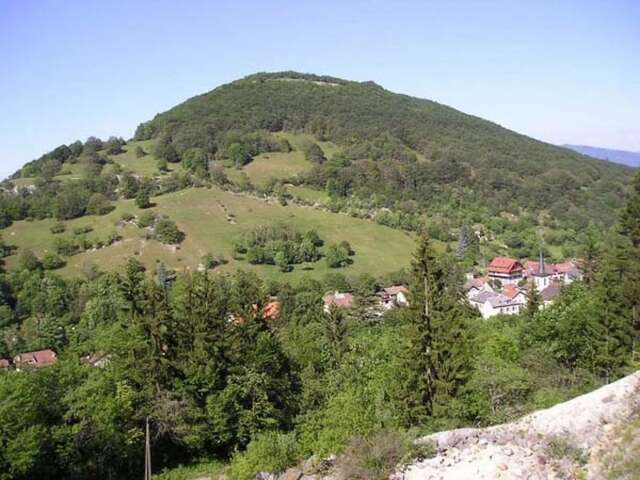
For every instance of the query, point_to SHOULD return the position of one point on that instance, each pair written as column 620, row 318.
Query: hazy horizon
column 565, row 74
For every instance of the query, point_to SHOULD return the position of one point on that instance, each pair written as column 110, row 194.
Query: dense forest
column 220, row 379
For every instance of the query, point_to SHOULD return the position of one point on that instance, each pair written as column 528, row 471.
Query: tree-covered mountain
column 398, row 147
column 618, row 156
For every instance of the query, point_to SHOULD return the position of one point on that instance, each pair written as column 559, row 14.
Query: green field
column 146, row 166
column 279, row 165
column 211, row 218
column 266, row 166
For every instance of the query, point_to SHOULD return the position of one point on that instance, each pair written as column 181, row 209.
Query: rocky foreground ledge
column 595, row 436
column 580, row 438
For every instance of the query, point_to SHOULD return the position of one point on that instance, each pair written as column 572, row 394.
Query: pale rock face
column 523, row 449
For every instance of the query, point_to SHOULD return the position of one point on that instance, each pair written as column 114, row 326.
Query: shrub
column 82, row 230
column 98, row 204
column 267, row 452
column 167, row 231
column 51, row 261
column 127, row 217
column 59, row 227
column 210, row 261
column 139, row 152
column 65, row 246
column 28, row 260
column 112, row 238
column 147, row 219
column 337, row 256
column 373, row 457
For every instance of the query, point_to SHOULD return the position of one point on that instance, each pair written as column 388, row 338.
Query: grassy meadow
column 211, row 219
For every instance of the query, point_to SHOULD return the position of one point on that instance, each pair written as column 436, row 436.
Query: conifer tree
column 440, row 335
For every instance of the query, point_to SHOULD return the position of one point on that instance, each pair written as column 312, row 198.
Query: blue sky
column 563, row 72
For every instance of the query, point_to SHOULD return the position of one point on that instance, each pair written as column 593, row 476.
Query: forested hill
column 400, row 147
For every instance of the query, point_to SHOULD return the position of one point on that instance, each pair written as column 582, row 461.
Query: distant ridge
column 624, row 157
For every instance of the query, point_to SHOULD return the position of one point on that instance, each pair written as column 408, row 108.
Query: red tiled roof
column 40, row 358
column 271, row 310
column 510, row 291
column 396, row 289
column 338, row 299
column 504, row 265
column 475, row 283
column 565, row 267
column 4, row 363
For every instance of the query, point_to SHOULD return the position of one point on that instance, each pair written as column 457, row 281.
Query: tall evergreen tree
column 440, row 336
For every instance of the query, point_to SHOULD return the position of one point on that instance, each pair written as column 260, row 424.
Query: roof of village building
column 395, row 289
column 532, row 267
column 504, row 265
column 39, row 358
column 5, row 363
column 477, row 282
column 482, row 297
column 338, row 299
column 550, row 292
column 496, row 300
column 510, row 291
column 271, row 310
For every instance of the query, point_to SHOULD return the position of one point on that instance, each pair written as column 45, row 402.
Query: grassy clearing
column 211, row 219
column 309, row 194
column 147, row 165
column 266, row 166
column 296, row 140
column 281, row 165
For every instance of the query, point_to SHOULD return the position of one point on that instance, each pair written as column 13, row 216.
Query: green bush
column 147, row 219
column 59, row 227
column 267, row 452
column 65, row 246
column 167, row 231
column 51, row 261
column 82, row 230
column 374, row 457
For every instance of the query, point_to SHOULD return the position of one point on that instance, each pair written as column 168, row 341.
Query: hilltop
column 399, row 147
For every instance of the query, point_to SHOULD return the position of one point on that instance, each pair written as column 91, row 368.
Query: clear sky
column 563, row 72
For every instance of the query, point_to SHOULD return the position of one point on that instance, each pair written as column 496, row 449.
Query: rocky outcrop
column 572, row 440
column 564, row 441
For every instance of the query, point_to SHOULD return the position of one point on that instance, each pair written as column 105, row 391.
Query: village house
column 37, row 359
column 505, row 270
column 511, row 301
column 272, row 309
column 473, row 286
column 4, row 363
column 338, row 299
column 550, row 293
column 393, row 297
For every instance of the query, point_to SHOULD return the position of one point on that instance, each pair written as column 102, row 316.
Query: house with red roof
column 4, row 363
column 37, row 359
column 505, row 269
column 475, row 285
column 393, row 297
column 509, row 302
column 272, row 309
column 337, row 299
